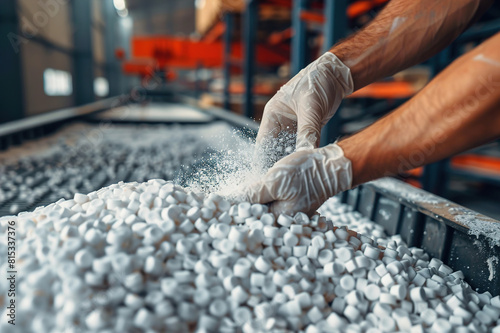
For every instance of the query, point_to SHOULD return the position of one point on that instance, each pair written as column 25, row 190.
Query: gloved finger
column 273, row 123
column 269, row 127
column 258, row 193
column 276, row 139
column 282, row 207
column 290, row 208
column 308, row 132
column 278, row 116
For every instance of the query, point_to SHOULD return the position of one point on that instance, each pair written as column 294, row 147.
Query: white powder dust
column 235, row 163
column 492, row 263
column 407, row 192
column 478, row 225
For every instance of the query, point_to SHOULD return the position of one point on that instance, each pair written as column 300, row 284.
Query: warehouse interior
column 100, row 96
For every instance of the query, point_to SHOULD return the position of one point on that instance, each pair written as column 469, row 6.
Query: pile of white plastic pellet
column 153, row 257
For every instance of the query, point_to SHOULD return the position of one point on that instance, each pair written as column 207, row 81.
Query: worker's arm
column 458, row 110
column 405, row 33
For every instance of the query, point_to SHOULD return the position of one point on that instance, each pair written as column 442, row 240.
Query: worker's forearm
column 458, row 110
column 405, row 33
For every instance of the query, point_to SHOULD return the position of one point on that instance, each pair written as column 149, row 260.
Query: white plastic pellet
column 186, row 226
column 218, row 308
column 333, row 268
column 208, row 323
column 290, row 239
column 382, row 310
column 242, row 315
column 184, row 246
column 237, row 234
column 347, row 282
column 153, row 266
column 314, row 315
column 270, row 231
column 242, row 268
column 83, row 258
column 344, row 253
column 350, row 266
column 202, row 297
column 351, row 313
column 80, row 198
column 394, row 267
column 387, row 280
column 387, row 298
column 244, row 210
column 299, row 251
column 325, row 256
column 312, row 252
column 280, row 278
column 285, row 220
column 297, row 229
column 399, row 291
column 386, row 324
column 239, row 295
column 372, row 292
column 318, row 242
column 102, row 265
column 419, row 280
column 417, row 294
column 262, row 264
column 441, row 325
column 267, row 219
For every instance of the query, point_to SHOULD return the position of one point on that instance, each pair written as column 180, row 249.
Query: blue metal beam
column 83, row 80
column 228, row 20
column 112, row 66
column 299, row 39
column 11, row 84
column 250, row 21
column 479, row 31
column 335, row 28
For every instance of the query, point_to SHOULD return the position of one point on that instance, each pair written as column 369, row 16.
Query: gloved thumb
column 288, row 208
column 259, row 192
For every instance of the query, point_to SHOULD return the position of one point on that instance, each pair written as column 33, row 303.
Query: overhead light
column 126, row 23
column 199, row 4
column 119, row 5
column 123, row 12
column 57, row 82
column 101, row 87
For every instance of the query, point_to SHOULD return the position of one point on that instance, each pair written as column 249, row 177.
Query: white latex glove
column 302, row 181
column 307, row 102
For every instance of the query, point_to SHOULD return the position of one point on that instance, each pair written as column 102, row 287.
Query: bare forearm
column 458, row 110
column 405, row 33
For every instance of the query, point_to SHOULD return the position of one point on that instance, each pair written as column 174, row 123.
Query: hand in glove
column 302, row 181
column 307, row 102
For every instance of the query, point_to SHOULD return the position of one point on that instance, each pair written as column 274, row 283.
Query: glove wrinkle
column 302, row 181
column 311, row 98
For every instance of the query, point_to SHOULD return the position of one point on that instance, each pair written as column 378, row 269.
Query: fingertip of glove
column 251, row 193
column 281, row 207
